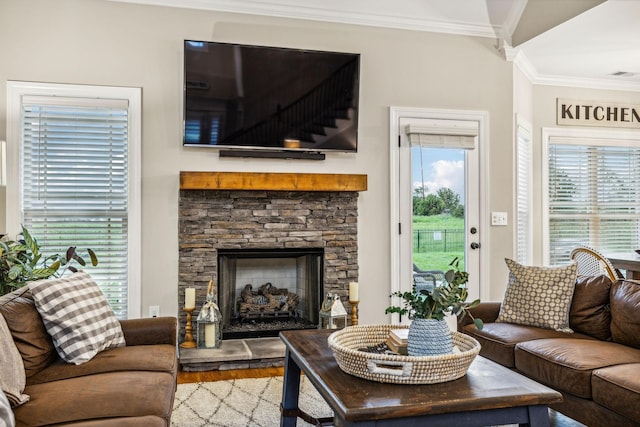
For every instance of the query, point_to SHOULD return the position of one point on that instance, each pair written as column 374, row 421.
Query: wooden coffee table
column 489, row 394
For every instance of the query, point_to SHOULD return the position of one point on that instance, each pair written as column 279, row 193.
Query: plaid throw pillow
column 78, row 317
column 539, row 296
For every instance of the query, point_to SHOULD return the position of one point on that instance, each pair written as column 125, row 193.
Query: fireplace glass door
column 265, row 291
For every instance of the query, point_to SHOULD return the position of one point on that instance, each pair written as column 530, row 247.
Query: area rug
column 255, row 402
column 251, row 402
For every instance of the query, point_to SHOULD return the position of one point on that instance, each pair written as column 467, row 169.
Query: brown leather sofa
column 596, row 368
column 125, row 386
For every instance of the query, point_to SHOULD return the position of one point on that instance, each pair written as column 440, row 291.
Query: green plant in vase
column 22, row 261
column 429, row 333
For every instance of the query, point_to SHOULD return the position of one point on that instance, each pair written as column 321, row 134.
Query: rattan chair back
column 593, row 263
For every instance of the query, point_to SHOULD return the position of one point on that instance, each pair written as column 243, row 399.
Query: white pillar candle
column 190, row 298
column 210, row 335
column 353, row 291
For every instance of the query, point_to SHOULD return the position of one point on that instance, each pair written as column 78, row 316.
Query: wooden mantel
column 272, row 181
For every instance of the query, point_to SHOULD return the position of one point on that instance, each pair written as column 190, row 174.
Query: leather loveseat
column 133, row 385
column 596, row 368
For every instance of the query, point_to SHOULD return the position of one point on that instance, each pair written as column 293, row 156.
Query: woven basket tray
column 390, row 368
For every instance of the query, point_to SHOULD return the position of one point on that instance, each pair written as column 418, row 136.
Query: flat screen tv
column 268, row 98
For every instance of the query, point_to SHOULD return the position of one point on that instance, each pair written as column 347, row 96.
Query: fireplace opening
column 264, row 291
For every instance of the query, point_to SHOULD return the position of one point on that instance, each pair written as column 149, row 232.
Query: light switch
column 498, row 218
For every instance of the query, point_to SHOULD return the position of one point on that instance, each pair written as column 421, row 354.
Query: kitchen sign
column 571, row 112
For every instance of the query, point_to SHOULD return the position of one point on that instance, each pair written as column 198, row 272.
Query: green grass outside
column 442, row 221
column 437, row 260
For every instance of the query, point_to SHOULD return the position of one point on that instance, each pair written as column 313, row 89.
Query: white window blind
column 74, row 183
column 444, row 134
column 524, row 245
column 593, row 196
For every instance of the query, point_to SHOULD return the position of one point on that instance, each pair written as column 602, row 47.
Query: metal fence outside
column 438, row 240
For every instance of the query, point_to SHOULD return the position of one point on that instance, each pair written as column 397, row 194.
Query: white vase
column 429, row 337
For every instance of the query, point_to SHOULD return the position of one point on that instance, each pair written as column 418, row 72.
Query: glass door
column 439, row 210
column 438, row 220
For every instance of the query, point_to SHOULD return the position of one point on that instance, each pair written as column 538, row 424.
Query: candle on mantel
column 190, row 298
column 353, row 291
column 210, row 335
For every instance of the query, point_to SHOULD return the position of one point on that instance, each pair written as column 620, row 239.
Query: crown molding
column 527, row 68
column 281, row 10
column 521, row 61
column 587, row 83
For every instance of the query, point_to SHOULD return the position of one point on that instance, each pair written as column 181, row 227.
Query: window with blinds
column 74, row 183
column 524, row 238
column 593, row 196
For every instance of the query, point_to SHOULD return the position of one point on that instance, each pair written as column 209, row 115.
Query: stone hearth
column 235, row 211
column 235, row 354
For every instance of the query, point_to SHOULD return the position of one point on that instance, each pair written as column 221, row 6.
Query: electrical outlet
column 154, row 311
column 498, row 218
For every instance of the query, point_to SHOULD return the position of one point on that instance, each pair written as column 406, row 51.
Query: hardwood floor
column 235, row 374
column 556, row 419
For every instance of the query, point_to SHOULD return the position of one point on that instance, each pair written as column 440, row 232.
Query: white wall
column 109, row 43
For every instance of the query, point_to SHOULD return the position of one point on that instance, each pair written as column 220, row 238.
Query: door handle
column 475, row 245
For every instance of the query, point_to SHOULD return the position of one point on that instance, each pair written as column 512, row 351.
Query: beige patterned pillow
column 78, row 317
column 539, row 296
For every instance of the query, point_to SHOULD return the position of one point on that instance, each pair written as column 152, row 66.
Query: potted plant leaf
column 429, row 333
column 22, row 261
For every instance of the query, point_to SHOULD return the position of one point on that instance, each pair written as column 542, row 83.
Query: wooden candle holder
column 189, row 342
column 354, row 312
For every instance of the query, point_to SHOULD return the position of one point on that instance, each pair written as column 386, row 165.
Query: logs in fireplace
column 267, row 302
column 266, row 312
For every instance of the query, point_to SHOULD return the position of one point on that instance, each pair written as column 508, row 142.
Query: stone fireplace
column 291, row 237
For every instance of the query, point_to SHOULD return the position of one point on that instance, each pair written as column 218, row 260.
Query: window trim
column 525, row 126
column 621, row 137
column 15, row 91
